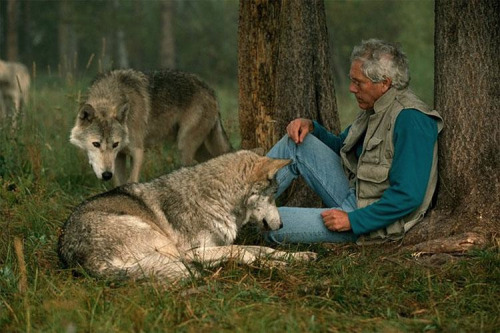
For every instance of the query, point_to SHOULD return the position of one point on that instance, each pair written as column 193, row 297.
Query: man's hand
column 336, row 220
column 297, row 129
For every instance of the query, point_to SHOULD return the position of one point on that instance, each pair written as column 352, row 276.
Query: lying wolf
column 127, row 111
column 14, row 90
column 168, row 226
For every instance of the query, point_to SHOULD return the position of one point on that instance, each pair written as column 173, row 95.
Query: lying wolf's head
column 261, row 204
column 102, row 137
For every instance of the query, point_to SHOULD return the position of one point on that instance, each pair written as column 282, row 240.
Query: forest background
column 75, row 40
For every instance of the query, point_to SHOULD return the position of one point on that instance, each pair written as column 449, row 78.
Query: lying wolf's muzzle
column 106, row 175
column 267, row 227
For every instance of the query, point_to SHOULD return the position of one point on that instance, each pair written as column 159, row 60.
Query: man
column 379, row 175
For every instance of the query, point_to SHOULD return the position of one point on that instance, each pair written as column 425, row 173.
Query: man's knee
column 310, row 146
column 287, row 148
column 281, row 148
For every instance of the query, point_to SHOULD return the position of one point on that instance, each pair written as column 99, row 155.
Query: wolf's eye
column 96, row 144
column 115, row 144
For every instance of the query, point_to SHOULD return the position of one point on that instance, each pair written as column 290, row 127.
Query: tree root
column 456, row 244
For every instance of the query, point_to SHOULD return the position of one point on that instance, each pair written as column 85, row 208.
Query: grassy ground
column 349, row 288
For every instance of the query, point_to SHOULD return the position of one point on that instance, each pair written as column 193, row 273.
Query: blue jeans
column 322, row 170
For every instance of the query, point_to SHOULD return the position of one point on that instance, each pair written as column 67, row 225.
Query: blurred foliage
column 408, row 22
column 205, row 34
column 206, row 37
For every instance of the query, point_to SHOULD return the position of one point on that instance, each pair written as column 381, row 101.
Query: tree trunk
column 67, row 42
column 167, row 50
column 467, row 85
column 121, row 47
column 284, row 73
column 27, row 30
column 12, row 36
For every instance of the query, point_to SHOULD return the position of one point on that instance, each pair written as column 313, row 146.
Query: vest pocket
column 373, row 150
column 373, row 180
column 373, row 173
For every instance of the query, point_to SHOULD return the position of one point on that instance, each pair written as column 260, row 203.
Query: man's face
column 365, row 91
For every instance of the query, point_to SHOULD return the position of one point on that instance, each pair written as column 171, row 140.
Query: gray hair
column 381, row 60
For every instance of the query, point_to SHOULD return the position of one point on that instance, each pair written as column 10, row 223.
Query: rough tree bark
column 284, row 73
column 467, row 86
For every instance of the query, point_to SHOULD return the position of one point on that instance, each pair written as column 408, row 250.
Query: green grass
column 349, row 288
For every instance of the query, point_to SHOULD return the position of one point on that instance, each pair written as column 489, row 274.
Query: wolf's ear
column 266, row 168
column 86, row 114
column 122, row 113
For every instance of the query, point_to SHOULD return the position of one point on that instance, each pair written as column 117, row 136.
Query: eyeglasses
column 358, row 83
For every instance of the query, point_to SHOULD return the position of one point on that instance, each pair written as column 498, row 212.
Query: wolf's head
column 101, row 136
column 260, row 203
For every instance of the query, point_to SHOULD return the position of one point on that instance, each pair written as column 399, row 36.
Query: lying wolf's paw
column 280, row 258
column 273, row 263
column 304, row 256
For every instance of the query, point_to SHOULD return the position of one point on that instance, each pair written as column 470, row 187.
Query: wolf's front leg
column 212, row 256
column 137, row 155
column 120, row 169
column 246, row 255
column 267, row 254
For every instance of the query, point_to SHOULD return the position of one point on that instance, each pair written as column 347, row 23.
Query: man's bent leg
column 320, row 167
column 322, row 170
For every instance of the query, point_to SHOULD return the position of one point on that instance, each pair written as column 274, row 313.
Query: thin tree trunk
column 27, row 29
column 12, row 35
column 121, row 48
column 67, row 41
column 167, row 49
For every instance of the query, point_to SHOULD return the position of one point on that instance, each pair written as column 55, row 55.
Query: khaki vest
column 370, row 174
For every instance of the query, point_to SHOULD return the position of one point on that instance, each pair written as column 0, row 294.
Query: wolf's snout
column 106, row 175
column 267, row 227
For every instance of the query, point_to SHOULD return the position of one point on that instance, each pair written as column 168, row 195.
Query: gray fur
column 128, row 111
column 192, row 215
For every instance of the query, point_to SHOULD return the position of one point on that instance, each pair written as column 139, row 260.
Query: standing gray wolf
column 169, row 226
column 127, row 111
column 14, row 90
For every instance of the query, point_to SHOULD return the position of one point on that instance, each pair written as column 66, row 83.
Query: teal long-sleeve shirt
column 414, row 137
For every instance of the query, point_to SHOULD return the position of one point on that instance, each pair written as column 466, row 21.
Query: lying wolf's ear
column 86, row 114
column 122, row 113
column 266, row 168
